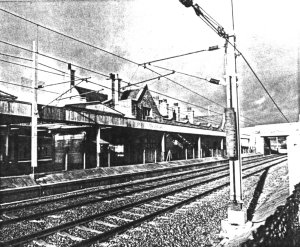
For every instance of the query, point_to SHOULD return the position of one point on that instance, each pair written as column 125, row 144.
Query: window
column 146, row 112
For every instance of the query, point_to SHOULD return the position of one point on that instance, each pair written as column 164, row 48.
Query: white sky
column 144, row 30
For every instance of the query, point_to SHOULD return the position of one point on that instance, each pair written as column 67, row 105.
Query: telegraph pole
column 34, row 110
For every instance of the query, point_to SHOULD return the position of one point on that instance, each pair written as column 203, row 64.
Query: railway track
column 84, row 193
column 108, row 214
column 32, row 209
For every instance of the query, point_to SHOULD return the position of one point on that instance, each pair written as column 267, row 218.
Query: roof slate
column 91, row 95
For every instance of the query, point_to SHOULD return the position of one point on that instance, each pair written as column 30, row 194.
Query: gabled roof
column 91, row 95
column 134, row 94
column 213, row 119
column 7, row 96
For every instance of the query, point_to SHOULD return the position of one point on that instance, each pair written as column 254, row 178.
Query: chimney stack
column 72, row 75
column 168, row 113
column 113, row 90
column 163, row 107
column 177, row 111
column 118, row 90
column 191, row 115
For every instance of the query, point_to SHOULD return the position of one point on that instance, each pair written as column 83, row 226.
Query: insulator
column 187, row 3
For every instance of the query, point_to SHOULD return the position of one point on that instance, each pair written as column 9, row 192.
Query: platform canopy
column 76, row 115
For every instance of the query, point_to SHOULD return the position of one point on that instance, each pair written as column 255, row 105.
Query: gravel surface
column 197, row 224
column 189, row 226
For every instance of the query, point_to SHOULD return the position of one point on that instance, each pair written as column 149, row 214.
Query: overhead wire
column 60, row 60
column 200, row 117
column 15, row 84
column 67, row 36
column 177, row 83
column 182, row 73
column 63, row 94
column 30, row 60
column 84, row 42
column 85, row 68
column 159, row 77
column 129, row 60
column 186, row 102
column 220, row 31
column 80, row 95
column 193, row 76
column 54, row 58
column 263, row 86
column 63, row 82
column 26, row 66
column 176, row 56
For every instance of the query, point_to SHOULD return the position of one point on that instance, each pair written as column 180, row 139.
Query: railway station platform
column 42, row 184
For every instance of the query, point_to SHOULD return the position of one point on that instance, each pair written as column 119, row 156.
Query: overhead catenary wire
column 81, row 41
column 78, row 66
column 186, row 102
column 65, row 92
column 67, row 36
column 190, row 89
column 151, row 79
column 193, row 76
column 263, row 86
column 51, row 57
column 106, row 75
column 19, row 85
column 54, row 58
column 176, row 56
column 177, row 83
column 60, row 60
column 63, row 82
column 220, row 31
column 30, row 60
column 165, row 95
column 80, row 95
column 182, row 73
column 186, row 115
column 29, row 67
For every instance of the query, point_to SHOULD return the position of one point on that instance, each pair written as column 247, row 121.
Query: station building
column 91, row 129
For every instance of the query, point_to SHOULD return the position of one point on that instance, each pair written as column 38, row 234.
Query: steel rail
column 88, row 191
column 105, row 198
column 108, row 234
column 172, row 177
column 103, row 190
column 68, row 225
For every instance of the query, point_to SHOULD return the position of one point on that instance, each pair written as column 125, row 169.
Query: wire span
column 158, row 78
column 181, row 55
column 29, row 67
column 53, row 58
column 15, row 84
column 216, row 27
column 30, row 60
column 67, row 36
